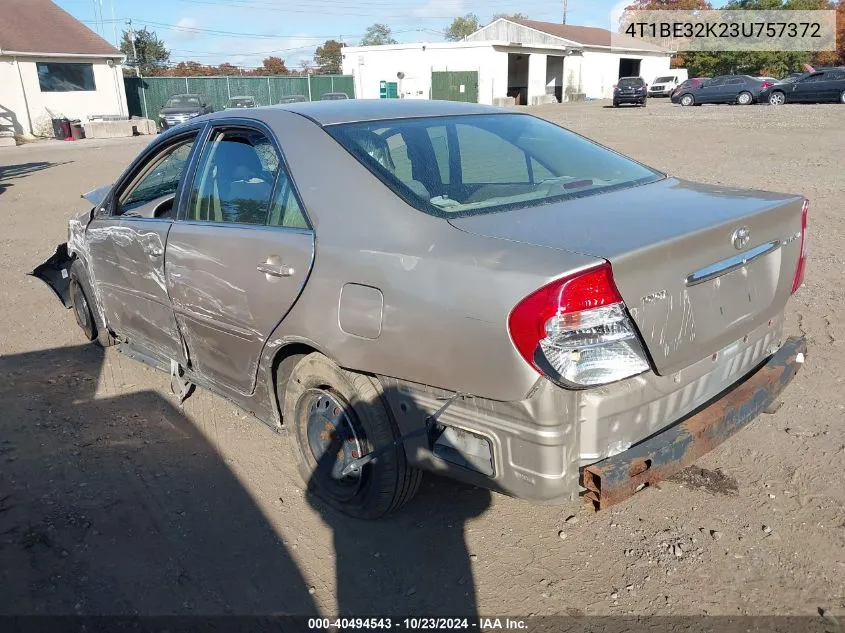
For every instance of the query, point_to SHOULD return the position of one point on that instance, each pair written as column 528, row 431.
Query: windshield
column 661, row 80
column 467, row 165
column 183, row 101
column 630, row 82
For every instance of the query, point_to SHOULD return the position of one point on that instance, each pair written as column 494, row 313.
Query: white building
column 51, row 64
column 521, row 58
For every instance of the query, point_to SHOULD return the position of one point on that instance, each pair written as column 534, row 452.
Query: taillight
column 577, row 332
column 798, row 280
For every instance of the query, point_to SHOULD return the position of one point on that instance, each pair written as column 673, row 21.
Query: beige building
column 53, row 66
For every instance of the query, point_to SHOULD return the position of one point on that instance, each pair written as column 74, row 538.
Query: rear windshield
column 183, row 101
column 661, row 80
column 630, row 81
column 467, row 165
column 242, row 102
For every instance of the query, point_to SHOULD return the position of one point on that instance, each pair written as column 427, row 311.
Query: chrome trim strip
column 725, row 266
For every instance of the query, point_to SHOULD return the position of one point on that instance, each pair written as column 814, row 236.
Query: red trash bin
column 77, row 132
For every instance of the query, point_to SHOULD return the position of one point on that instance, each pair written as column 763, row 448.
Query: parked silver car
column 415, row 285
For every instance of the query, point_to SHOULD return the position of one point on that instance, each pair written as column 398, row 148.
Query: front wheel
column 83, row 311
column 687, row 100
column 842, row 97
column 777, row 98
column 335, row 416
column 744, row 98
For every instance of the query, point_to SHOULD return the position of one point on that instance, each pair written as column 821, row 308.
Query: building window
column 54, row 77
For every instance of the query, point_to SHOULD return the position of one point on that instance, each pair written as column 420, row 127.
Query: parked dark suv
column 180, row 108
column 630, row 90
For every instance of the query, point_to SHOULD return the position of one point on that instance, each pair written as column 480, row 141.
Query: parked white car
column 664, row 85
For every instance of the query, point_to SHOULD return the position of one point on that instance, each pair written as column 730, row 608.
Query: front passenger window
column 153, row 191
column 234, row 179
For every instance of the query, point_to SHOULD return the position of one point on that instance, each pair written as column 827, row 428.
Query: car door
column 831, row 86
column 805, row 90
column 239, row 255
column 127, row 241
column 710, row 90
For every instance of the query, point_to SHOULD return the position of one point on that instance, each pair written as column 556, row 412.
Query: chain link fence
column 146, row 95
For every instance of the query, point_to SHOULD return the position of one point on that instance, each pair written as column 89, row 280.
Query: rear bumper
column 619, row 477
column 630, row 98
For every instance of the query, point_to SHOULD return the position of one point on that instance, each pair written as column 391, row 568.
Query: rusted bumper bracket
column 616, row 478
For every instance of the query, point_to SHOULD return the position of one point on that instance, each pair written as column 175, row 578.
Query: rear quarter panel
column 446, row 294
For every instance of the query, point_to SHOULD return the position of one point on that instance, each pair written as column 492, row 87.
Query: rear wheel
column 744, row 98
column 335, row 416
column 687, row 100
column 777, row 98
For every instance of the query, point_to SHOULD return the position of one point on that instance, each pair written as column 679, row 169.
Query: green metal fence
column 147, row 95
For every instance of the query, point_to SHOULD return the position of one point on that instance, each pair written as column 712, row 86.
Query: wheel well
column 283, row 364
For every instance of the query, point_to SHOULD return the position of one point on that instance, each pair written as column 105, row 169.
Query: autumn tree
column 461, row 27
column 228, row 69
column 378, row 34
column 191, row 69
column 273, row 66
column 328, row 58
column 153, row 55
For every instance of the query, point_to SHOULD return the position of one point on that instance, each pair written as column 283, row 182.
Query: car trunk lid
column 698, row 266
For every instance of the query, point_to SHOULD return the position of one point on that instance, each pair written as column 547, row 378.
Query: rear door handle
column 275, row 270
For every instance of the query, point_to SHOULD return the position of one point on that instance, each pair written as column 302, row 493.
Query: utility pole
column 565, row 3
column 134, row 48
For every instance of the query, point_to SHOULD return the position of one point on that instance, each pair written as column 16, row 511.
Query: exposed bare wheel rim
column 744, row 98
column 777, row 98
column 334, row 438
column 332, row 415
column 687, row 100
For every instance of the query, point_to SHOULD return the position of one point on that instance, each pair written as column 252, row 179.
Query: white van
column 664, row 84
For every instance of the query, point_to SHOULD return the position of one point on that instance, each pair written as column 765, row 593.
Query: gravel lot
column 115, row 500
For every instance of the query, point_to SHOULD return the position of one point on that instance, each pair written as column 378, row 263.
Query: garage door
column 455, row 86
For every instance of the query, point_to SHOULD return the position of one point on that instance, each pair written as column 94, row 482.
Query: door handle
column 275, row 270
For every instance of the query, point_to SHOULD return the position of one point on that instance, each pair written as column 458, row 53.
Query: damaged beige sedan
column 412, row 285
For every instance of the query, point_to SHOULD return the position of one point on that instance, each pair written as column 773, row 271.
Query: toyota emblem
column 741, row 237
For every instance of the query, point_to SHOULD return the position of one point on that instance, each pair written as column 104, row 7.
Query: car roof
column 242, row 97
column 184, row 95
column 359, row 110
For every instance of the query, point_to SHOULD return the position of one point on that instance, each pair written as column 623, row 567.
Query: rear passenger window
column 286, row 211
column 234, row 178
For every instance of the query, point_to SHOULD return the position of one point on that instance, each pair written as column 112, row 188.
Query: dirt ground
column 114, row 500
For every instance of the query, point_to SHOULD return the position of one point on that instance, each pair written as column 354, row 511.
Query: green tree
column 152, row 53
column 461, row 27
column 378, row 34
column 510, row 16
column 329, row 58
